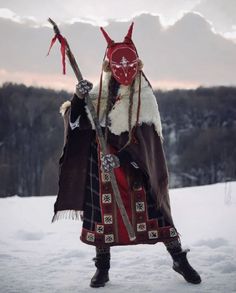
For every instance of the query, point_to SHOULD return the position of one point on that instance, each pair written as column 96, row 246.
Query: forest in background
column 199, row 128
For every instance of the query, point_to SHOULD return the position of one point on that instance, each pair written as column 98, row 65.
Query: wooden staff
column 99, row 133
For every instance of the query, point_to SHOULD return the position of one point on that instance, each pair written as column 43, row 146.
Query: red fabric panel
column 124, row 193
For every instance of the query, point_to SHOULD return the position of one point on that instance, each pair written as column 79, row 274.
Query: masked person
column 128, row 114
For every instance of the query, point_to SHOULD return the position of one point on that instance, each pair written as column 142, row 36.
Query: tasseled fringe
column 67, row 215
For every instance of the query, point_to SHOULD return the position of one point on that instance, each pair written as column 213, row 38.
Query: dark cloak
column 147, row 152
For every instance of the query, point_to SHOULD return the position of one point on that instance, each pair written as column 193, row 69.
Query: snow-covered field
column 37, row 256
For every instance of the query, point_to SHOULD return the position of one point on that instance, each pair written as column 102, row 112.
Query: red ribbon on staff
column 63, row 43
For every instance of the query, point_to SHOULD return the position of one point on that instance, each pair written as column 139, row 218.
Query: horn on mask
column 108, row 39
column 128, row 37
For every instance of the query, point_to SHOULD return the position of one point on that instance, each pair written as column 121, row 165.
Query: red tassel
column 52, row 43
column 63, row 43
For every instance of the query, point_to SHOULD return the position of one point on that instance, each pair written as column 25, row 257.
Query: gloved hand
column 83, row 88
column 109, row 162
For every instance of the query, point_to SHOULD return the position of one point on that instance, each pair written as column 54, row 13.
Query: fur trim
column 64, row 107
column 149, row 112
column 67, row 215
column 106, row 66
column 140, row 64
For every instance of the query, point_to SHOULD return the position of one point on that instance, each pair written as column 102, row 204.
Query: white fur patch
column 149, row 112
column 66, row 105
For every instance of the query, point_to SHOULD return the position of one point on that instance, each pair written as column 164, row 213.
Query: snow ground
column 37, row 256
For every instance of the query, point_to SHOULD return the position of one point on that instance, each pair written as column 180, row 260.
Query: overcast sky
column 221, row 12
column 98, row 11
column 216, row 24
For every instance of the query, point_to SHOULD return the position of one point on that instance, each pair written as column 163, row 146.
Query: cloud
column 51, row 81
column 221, row 13
column 7, row 13
column 187, row 54
column 98, row 12
column 197, row 53
column 188, row 51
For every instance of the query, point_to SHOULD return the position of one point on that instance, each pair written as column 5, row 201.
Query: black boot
column 102, row 263
column 182, row 266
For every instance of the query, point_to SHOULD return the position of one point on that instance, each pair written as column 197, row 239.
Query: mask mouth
column 124, row 74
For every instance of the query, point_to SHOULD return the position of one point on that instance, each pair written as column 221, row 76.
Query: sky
column 98, row 11
column 193, row 42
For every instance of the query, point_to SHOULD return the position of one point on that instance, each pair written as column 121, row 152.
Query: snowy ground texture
column 37, row 256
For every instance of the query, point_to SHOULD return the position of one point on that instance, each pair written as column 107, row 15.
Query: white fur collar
column 149, row 112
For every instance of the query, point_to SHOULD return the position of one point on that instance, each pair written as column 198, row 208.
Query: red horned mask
column 123, row 58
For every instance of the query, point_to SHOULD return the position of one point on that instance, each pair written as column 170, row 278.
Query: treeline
column 200, row 134
column 199, row 128
column 31, row 135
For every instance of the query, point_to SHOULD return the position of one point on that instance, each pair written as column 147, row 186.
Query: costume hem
column 67, row 215
column 161, row 234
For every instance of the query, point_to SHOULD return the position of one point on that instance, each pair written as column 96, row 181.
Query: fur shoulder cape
column 149, row 111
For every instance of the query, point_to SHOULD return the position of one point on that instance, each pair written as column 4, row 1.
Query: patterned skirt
column 102, row 221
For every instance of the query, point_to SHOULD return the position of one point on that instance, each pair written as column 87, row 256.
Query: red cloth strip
column 63, row 43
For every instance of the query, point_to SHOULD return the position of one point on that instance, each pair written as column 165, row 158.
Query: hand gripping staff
column 65, row 50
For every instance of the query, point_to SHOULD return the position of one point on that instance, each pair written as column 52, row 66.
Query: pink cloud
column 67, row 82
